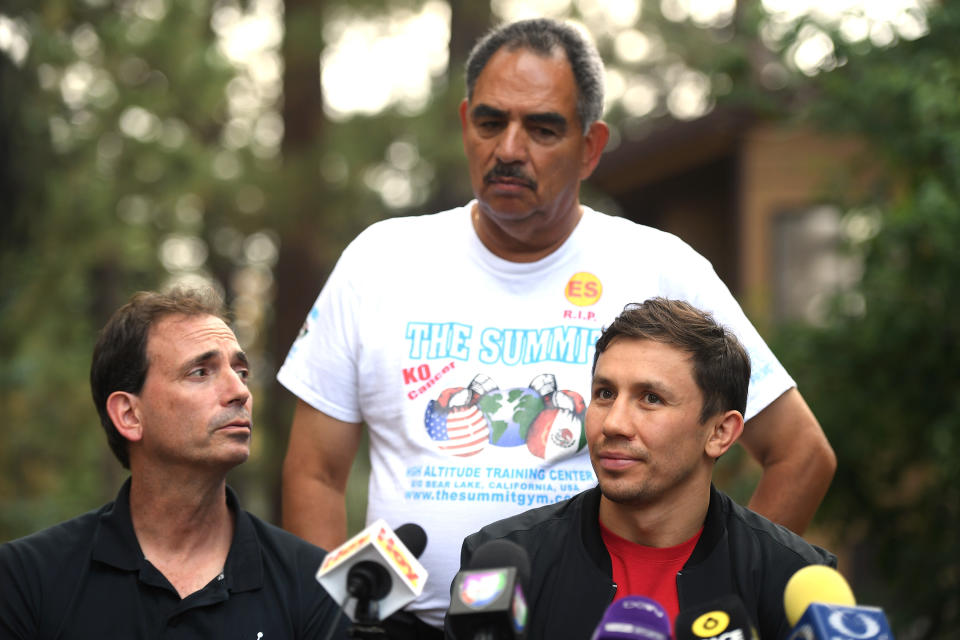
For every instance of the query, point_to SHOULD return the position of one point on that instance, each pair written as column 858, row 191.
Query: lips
column 511, row 181
column 613, row 460
column 235, row 421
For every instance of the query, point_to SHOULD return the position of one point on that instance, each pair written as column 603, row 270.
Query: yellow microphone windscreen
column 815, row 583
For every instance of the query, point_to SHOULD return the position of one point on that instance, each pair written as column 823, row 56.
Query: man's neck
column 664, row 523
column 184, row 528
column 508, row 244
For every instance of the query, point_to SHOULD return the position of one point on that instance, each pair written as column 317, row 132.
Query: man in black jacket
column 667, row 400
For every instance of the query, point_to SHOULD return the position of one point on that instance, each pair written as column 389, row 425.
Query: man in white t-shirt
column 463, row 339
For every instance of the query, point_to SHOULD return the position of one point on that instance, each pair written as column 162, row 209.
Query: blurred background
column 809, row 148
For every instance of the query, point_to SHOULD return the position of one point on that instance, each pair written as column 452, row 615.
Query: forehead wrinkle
column 527, row 75
column 650, row 374
column 210, row 328
column 206, row 356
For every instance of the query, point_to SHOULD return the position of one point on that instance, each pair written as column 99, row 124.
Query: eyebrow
column 213, row 354
column 486, row 111
column 551, row 118
column 548, row 117
column 652, row 385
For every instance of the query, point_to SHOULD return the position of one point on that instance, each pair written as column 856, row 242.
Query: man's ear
column 595, row 141
column 463, row 115
column 123, row 409
column 725, row 428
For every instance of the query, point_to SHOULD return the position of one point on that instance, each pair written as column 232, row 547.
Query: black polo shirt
column 87, row 578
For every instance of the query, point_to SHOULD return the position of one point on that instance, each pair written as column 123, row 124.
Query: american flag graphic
column 461, row 431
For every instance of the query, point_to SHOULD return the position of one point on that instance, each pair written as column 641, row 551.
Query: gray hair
column 543, row 36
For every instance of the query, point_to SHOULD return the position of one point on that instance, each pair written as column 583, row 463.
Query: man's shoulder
column 58, row 541
column 282, row 544
column 48, row 562
column 775, row 538
column 414, row 225
column 618, row 229
column 529, row 527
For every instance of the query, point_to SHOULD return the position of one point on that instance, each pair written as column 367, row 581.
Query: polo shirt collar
column 244, row 566
column 115, row 542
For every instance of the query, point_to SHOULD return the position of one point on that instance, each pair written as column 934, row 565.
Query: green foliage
column 114, row 122
column 884, row 382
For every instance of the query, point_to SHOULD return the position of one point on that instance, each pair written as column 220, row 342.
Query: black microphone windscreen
column 502, row 553
column 413, row 537
column 368, row 580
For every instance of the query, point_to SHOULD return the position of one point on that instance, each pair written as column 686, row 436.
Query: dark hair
column 543, row 36
column 120, row 356
column 721, row 366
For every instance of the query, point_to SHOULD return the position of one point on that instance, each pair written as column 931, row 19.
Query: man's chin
column 235, row 455
column 507, row 207
column 621, row 493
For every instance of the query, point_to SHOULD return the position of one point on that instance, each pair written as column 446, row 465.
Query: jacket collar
column 713, row 530
column 707, row 573
column 115, row 542
column 590, row 530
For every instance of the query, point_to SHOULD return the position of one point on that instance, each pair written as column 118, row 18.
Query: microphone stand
column 367, row 624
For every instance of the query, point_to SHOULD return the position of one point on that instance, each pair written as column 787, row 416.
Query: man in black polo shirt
column 173, row 556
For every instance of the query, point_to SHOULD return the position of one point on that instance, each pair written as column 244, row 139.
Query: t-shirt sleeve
column 321, row 366
column 693, row 278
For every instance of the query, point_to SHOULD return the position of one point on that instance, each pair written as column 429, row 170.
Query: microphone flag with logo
column 377, row 567
column 634, row 618
column 829, row 610
column 488, row 598
column 725, row 618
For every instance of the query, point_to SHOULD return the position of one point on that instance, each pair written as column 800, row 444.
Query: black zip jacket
column 739, row 552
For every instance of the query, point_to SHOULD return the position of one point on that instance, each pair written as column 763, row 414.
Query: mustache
column 513, row 171
column 224, row 418
column 606, row 447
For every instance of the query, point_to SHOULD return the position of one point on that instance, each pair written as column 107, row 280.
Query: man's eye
column 244, row 373
column 198, row 372
column 603, row 394
column 651, row 398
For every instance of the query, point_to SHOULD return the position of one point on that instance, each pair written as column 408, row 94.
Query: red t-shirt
column 647, row 571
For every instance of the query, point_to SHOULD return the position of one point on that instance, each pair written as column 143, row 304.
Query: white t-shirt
column 472, row 372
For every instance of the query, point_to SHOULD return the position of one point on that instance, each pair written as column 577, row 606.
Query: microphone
column 725, row 618
column 828, row 608
column 378, row 569
column 633, row 618
column 487, row 600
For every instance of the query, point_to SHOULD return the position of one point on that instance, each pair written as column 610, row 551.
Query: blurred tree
column 124, row 169
column 882, row 373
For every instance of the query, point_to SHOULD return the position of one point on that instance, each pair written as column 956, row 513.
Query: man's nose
column 237, row 391
column 616, row 420
column 512, row 146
